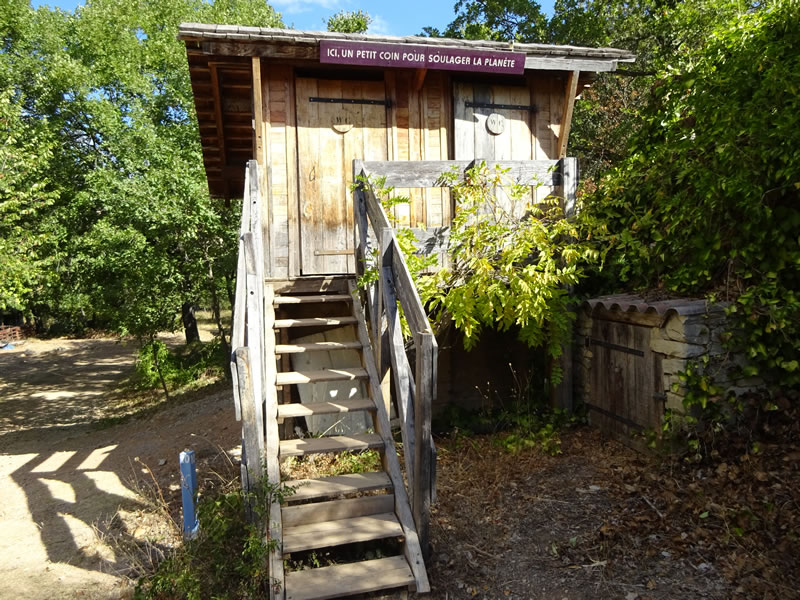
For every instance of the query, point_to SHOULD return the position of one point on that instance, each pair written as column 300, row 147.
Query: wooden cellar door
column 337, row 121
column 493, row 122
column 626, row 391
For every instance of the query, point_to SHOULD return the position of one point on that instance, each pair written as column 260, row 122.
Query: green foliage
column 519, row 420
column 511, row 263
column 178, row 367
column 707, row 201
column 501, row 20
column 228, row 559
column 107, row 183
column 346, row 21
column 356, row 462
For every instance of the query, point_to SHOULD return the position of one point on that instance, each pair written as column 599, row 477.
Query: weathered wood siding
column 420, row 121
column 307, row 149
column 625, row 381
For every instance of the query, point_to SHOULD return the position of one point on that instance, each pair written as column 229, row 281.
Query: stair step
column 294, row 377
column 347, row 580
column 315, row 299
column 336, row 443
column 338, row 533
column 335, row 510
column 316, row 347
column 324, row 408
column 313, row 321
column 337, row 485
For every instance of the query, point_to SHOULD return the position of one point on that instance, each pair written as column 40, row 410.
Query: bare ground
column 598, row 521
column 61, row 476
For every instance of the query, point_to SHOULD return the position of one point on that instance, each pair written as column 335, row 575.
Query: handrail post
column 424, row 461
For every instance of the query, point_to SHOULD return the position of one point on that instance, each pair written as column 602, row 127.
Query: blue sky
column 394, row 17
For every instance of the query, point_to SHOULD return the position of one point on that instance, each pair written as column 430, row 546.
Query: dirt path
column 60, row 475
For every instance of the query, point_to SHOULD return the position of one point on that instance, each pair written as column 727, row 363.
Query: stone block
column 674, row 402
column 673, row 365
column 673, row 349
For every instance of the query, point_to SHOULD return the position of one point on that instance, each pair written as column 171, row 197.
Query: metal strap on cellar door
column 611, row 346
column 386, row 103
column 611, row 415
column 471, row 104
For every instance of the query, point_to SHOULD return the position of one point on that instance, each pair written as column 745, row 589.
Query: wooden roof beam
column 218, row 117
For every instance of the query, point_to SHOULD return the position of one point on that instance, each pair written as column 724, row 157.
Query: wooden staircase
column 343, row 509
column 345, row 514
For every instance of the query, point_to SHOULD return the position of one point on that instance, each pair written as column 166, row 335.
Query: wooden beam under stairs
column 297, row 377
column 316, row 347
column 314, row 322
column 336, row 443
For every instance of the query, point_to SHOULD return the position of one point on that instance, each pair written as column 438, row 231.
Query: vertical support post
column 562, row 394
column 189, row 494
column 425, row 465
column 566, row 117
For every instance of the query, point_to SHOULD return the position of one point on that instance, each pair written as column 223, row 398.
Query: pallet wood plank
column 343, row 531
column 324, row 408
column 335, row 510
column 313, row 322
column 347, row 580
column 297, row 377
column 427, row 173
column 337, row 443
column 337, row 485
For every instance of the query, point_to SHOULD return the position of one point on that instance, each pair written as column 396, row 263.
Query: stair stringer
column 277, row 591
column 411, row 546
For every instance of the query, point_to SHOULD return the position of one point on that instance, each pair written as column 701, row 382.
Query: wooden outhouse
column 287, row 120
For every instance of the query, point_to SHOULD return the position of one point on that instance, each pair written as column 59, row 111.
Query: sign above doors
column 418, row 56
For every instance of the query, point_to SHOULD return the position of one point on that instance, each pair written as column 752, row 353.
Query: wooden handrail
column 415, row 390
column 376, row 243
column 253, row 362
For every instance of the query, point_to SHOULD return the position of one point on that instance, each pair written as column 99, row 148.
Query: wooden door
column 493, row 122
column 625, row 394
column 337, row 122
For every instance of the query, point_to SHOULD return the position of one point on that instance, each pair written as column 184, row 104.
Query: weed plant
column 229, row 558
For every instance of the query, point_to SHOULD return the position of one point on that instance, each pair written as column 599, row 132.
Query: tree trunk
column 157, row 364
column 189, row 323
column 215, row 309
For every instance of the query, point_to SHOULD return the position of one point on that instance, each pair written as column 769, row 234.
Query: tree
column 708, row 199
column 518, row 20
column 132, row 232
column 346, row 21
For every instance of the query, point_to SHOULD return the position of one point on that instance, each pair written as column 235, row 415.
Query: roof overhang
column 221, row 75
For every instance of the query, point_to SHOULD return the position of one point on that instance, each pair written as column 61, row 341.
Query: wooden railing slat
column 401, row 374
column 428, row 173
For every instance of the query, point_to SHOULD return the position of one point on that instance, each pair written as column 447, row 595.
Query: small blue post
column 189, row 494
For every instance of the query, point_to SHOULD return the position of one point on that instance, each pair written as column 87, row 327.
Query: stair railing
column 253, row 364
column 415, row 389
column 392, row 286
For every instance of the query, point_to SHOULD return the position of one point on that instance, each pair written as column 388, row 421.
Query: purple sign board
column 376, row 54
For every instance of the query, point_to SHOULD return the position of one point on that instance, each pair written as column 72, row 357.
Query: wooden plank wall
column 419, row 127
column 420, row 120
column 277, row 153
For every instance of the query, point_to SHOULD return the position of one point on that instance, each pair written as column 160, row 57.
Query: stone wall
column 678, row 340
